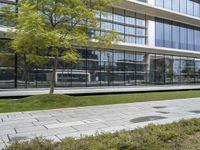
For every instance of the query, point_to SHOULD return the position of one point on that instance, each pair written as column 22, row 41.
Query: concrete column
column 151, row 31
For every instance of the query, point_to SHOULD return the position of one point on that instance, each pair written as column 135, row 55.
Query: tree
column 50, row 29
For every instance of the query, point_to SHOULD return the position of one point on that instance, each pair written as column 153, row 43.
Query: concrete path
column 96, row 90
column 73, row 122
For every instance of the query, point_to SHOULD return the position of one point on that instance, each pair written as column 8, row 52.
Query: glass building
column 161, row 46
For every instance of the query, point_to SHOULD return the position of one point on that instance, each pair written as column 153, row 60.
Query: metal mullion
column 172, row 67
column 124, row 69
column 195, row 71
column 100, row 69
column 164, row 70
column 16, row 71
column 135, row 53
column 146, row 37
column 180, row 69
column 86, row 67
column 112, row 69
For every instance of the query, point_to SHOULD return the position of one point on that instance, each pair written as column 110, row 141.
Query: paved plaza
column 74, row 122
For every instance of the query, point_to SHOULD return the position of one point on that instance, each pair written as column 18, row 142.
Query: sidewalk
column 95, row 90
column 73, row 122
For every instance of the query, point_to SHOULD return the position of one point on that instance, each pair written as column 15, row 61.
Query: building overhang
column 154, row 11
column 157, row 50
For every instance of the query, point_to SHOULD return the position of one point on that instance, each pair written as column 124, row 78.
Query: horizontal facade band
column 154, row 11
column 159, row 50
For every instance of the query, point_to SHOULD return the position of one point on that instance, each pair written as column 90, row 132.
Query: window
column 167, row 34
column 190, row 8
column 190, row 39
column 11, row 6
column 175, row 5
column 106, row 15
column 159, row 3
column 140, row 20
column 130, row 39
column 197, row 8
column 197, row 39
column 130, row 30
column 140, row 40
column 175, row 35
column 98, row 14
column 183, row 37
column 118, row 15
column 168, row 4
column 106, row 25
column 159, row 32
column 119, row 28
column 131, row 26
column 130, row 18
column 140, row 32
column 3, row 22
column 183, row 6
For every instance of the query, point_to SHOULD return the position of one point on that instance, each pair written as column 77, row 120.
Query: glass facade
column 102, row 68
column 12, row 7
column 130, row 26
column 112, row 67
column 10, row 4
column 190, row 7
column 176, row 35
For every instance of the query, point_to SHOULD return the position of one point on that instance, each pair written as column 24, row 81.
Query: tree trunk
column 53, row 76
column 25, row 72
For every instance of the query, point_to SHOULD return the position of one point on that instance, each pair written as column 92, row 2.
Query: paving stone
column 2, row 146
column 28, row 129
column 18, row 121
column 90, row 121
column 4, row 139
column 50, row 132
column 45, row 122
column 17, row 125
column 7, row 131
column 3, row 116
column 66, row 124
column 116, row 122
column 38, row 133
column 24, row 136
column 19, row 138
column 90, row 126
column 69, row 120
column 40, row 119
column 20, row 115
column 109, row 118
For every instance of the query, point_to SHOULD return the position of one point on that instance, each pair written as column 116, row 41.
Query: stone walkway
column 96, row 90
column 73, row 122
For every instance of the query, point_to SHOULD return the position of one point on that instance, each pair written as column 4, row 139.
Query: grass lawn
column 183, row 135
column 42, row 102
